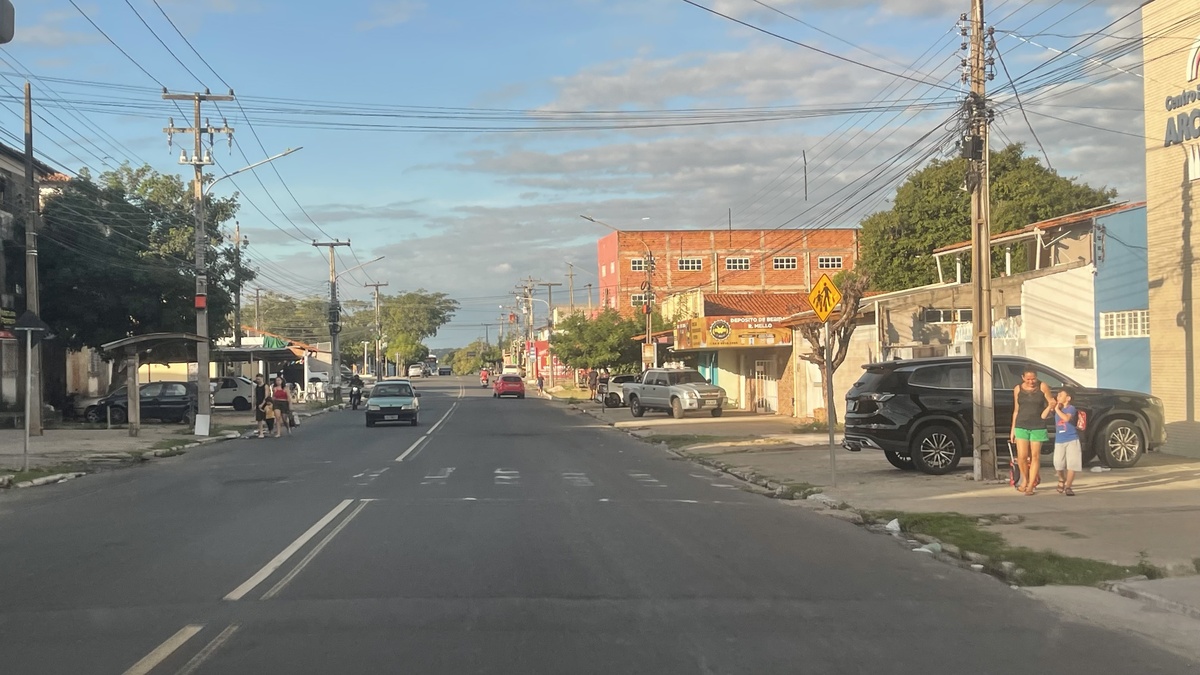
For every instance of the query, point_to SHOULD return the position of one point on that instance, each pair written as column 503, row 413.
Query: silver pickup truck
column 673, row 390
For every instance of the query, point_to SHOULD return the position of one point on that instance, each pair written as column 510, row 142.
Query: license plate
column 391, row 417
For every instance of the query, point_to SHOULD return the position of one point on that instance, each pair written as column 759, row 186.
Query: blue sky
column 470, row 212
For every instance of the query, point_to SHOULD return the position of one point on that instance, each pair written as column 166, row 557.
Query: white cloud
column 391, row 13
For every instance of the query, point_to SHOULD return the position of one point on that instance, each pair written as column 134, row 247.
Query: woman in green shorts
column 1032, row 405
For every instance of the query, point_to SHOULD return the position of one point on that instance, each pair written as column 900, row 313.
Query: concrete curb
column 50, row 480
column 1154, row 600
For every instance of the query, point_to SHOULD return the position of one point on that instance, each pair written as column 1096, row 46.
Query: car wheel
column 240, row 403
column 716, row 412
column 936, row 450
column 520, row 395
column 1122, row 444
column 635, row 407
column 676, row 409
column 414, row 422
column 187, row 419
column 118, row 415
column 898, row 460
column 494, row 395
column 370, row 424
column 612, row 401
column 92, row 414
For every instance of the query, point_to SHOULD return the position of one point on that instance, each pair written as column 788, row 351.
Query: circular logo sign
column 720, row 330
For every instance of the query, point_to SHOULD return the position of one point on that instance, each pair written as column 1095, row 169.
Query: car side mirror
column 418, row 394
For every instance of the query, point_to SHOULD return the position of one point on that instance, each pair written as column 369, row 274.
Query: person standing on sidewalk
column 593, row 383
column 283, row 407
column 1033, row 403
column 1068, row 453
column 261, row 400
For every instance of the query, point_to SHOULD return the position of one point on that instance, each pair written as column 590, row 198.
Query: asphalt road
column 504, row 536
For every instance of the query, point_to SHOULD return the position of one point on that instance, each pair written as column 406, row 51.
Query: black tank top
column 1030, row 405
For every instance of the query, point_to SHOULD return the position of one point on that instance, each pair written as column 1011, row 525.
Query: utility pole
column 976, row 151
column 335, row 319
column 378, row 326
column 648, row 305
column 550, row 301
column 571, row 286
column 200, row 158
column 589, row 290
column 256, row 326
column 238, row 243
column 33, row 389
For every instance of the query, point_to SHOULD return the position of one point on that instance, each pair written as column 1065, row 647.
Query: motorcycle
column 483, row 381
column 355, row 396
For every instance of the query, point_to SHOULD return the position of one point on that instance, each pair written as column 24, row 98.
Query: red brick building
column 720, row 261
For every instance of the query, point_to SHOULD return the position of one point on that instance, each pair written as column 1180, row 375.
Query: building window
column 691, row 264
column 1012, row 312
column 946, row 316
column 785, row 263
column 734, row 264
column 639, row 265
column 639, row 299
column 829, row 262
column 604, row 271
column 1130, row 324
column 612, row 267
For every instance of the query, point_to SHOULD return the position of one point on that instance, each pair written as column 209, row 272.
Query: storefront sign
column 731, row 331
column 1185, row 124
column 8, row 317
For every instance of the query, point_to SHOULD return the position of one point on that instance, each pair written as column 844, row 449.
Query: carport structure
column 164, row 348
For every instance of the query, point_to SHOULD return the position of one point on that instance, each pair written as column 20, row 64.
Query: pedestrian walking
column 1068, row 453
column 541, row 384
column 1032, row 405
column 262, row 401
column 593, row 382
column 283, row 407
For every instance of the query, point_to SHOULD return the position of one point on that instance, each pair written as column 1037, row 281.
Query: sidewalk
column 80, row 448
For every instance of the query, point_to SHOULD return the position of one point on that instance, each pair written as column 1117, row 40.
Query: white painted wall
column 1058, row 315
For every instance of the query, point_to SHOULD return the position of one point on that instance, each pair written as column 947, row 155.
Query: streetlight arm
column 618, row 231
column 339, row 274
column 255, row 165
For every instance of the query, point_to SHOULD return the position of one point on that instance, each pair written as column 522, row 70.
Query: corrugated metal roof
column 1069, row 219
column 754, row 304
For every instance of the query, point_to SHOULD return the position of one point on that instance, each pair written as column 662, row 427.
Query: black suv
column 918, row 412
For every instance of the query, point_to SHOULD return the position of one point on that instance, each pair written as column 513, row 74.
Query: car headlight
column 372, row 407
column 691, row 394
column 1156, row 402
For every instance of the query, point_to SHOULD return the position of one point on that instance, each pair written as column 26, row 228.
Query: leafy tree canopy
column 931, row 210
column 605, row 341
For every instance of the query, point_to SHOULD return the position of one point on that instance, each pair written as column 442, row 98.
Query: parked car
column 166, row 401
column 508, row 385
column 609, row 390
column 393, row 401
column 673, row 390
column 919, row 413
column 233, row 391
column 444, row 370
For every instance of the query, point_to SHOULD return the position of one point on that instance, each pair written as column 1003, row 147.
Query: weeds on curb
column 682, row 440
column 1040, row 568
column 38, row 472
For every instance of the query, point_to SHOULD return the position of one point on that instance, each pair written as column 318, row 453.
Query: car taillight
column 877, row 397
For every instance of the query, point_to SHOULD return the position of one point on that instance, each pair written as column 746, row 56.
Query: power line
column 164, row 44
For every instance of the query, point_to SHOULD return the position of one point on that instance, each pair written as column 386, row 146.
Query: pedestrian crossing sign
column 824, row 298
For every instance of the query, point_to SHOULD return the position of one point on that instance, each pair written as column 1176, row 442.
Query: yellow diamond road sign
column 824, row 298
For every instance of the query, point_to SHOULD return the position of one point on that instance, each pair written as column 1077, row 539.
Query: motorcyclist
column 356, row 387
column 484, row 376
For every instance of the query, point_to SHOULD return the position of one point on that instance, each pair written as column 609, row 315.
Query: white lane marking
column 164, row 650
column 439, row 422
column 209, row 649
column 277, row 561
column 723, row 485
column 646, row 479
column 604, row 499
column 359, row 475
column 411, row 448
column 469, row 499
column 438, row 478
column 578, row 479
column 275, row 590
column 506, row 477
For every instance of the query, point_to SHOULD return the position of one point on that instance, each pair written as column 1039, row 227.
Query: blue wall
column 1122, row 284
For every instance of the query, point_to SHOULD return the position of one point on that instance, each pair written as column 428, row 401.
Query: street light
column 203, row 382
column 647, row 287
column 339, row 274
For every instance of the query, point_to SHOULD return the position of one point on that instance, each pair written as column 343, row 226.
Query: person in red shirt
column 283, row 408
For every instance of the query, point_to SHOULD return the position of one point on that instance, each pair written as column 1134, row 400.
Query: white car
column 233, row 391
column 416, row 370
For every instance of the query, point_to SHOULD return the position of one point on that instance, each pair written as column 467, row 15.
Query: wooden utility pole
column 571, row 286
column 378, row 326
column 976, row 146
column 238, row 243
column 335, row 320
column 33, row 391
column 257, row 327
column 200, row 159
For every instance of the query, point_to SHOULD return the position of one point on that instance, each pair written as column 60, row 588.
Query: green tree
column 405, row 350
column 474, row 357
column 605, row 341
column 418, row 313
column 852, row 284
column 931, row 210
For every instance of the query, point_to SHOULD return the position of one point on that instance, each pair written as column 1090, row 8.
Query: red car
column 509, row 385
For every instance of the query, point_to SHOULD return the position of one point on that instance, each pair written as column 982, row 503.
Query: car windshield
column 687, row 377
column 510, row 378
column 395, row 389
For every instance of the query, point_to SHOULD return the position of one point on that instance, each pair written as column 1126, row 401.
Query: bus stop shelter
column 162, row 348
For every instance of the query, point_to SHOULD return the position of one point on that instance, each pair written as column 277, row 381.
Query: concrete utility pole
column 378, row 325
column 238, row 243
column 571, row 286
column 257, row 327
column 335, row 319
column 200, row 158
column 550, row 302
column 33, row 389
column 976, row 151
column 648, row 306
column 589, row 290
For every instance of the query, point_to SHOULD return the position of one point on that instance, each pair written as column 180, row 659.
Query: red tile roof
column 1069, row 219
column 754, row 304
